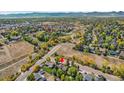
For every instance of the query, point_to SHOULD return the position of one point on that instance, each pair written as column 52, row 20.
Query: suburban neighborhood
column 62, row 49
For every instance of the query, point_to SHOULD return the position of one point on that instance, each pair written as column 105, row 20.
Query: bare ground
column 15, row 51
column 67, row 50
column 13, row 56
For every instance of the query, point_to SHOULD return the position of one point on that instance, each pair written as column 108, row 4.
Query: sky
column 60, row 5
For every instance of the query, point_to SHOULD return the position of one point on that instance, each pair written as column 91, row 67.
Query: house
column 41, row 72
column 49, row 64
column 60, row 66
column 113, row 53
column 42, row 79
column 41, row 65
column 16, row 37
column 88, row 77
column 57, row 79
column 64, row 68
column 62, row 60
column 100, row 78
column 121, row 56
column 102, row 50
column 37, row 76
column 92, row 50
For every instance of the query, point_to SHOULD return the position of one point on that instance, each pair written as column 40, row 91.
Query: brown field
column 68, row 51
column 15, row 51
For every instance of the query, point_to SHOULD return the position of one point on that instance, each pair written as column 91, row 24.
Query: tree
column 30, row 58
column 86, row 50
column 58, row 58
column 40, row 35
column 112, row 47
column 68, row 78
column 24, row 68
column 67, row 62
column 59, row 72
column 44, row 46
column 114, row 69
column 108, row 39
column 120, row 70
column 121, row 44
column 1, row 42
column 93, row 65
column 28, row 38
column 47, row 69
column 97, row 51
column 37, row 57
column 48, row 59
column 105, row 45
column 35, row 41
column 54, row 71
column 46, row 38
column 72, row 71
column 14, row 33
column 105, row 66
column 51, row 43
column 31, row 77
column 62, row 77
column 36, row 68
column 79, row 77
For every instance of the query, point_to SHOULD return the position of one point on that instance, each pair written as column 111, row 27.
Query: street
column 25, row 74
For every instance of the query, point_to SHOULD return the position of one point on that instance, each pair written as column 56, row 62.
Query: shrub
column 36, row 68
column 59, row 72
column 1, row 42
column 54, row 71
column 62, row 77
column 72, row 71
column 120, row 70
column 79, row 77
column 31, row 77
column 47, row 69
column 48, row 59
column 24, row 68
column 69, row 78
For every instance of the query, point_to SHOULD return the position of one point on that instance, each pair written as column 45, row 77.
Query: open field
column 12, row 68
column 68, row 51
column 20, row 49
column 13, row 57
column 15, row 51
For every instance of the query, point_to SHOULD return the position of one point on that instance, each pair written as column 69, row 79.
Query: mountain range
column 63, row 14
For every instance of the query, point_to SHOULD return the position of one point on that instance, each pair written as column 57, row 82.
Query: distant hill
column 63, row 14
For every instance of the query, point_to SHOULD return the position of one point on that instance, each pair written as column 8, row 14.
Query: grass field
column 15, row 51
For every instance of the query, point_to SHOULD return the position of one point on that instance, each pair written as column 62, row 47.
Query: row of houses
column 39, row 76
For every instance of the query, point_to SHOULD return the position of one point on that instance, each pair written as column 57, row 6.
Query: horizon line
column 24, row 12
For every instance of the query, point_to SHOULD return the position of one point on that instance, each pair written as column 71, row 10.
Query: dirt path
column 7, row 52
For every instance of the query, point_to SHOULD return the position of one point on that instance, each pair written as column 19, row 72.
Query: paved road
column 23, row 76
